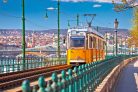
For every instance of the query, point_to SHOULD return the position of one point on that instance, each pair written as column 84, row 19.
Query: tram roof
column 87, row 30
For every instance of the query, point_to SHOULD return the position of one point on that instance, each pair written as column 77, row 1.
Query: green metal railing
column 84, row 78
column 16, row 64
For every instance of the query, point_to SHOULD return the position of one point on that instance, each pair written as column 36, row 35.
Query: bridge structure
column 113, row 74
column 109, row 75
column 39, row 51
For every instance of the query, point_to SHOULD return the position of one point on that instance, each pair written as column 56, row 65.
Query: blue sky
column 10, row 14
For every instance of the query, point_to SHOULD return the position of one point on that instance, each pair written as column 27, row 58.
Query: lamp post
column 77, row 19
column 58, row 22
column 116, row 26
column 59, row 29
column 23, row 31
column 68, row 24
column 46, row 16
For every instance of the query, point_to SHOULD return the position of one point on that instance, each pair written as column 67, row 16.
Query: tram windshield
column 77, row 41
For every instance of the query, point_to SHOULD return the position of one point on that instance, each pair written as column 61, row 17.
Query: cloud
column 100, row 1
column 103, row 1
column 5, row 1
column 74, row 0
column 51, row 8
column 97, row 5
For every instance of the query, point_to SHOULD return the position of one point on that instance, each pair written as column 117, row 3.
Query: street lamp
column 116, row 26
column 58, row 21
column 77, row 19
column 23, row 31
column 59, row 29
column 46, row 16
column 68, row 24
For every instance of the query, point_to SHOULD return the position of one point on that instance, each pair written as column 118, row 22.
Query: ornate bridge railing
column 16, row 64
column 84, row 78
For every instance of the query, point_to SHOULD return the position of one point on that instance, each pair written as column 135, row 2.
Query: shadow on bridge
column 127, row 81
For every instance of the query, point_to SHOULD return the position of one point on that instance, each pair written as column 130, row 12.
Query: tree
column 124, row 4
column 134, row 29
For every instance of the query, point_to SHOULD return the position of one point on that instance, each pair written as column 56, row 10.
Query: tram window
column 90, row 42
column 77, row 41
column 99, row 44
column 94, row 42
column 98, row 47
column 103, row 45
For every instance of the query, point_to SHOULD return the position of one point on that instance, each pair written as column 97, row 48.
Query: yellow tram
column 84, row 45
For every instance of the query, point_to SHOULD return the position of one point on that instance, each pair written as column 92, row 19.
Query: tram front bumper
column 77, row 62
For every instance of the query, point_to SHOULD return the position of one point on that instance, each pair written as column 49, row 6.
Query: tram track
column 14, row 80
column 18, row 72
column 17, row 75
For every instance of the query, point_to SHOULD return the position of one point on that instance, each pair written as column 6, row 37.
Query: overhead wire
column 35, row 24
column 3, row 13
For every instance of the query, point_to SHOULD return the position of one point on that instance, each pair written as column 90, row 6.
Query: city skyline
column 10, row 14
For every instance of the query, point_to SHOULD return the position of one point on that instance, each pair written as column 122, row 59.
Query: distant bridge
column 35, row 54
column 37, row 51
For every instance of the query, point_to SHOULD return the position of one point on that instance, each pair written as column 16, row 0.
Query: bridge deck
column 128, row 80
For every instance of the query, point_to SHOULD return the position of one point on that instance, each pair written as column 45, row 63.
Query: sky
column 35, row 10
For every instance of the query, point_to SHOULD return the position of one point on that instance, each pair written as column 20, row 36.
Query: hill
column 102, row 30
